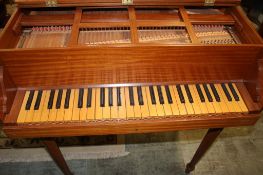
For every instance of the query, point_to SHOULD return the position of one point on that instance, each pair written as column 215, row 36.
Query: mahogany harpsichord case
column 164, row 65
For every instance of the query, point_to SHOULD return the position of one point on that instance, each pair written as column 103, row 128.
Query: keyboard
column 123, row 103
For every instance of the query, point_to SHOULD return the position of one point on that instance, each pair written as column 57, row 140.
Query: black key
column 140, row 97
column 80, row 100
column 188, row 93
column 39, row 96
column 200, row 93
column 29, row 100
column 51, row 99
column 180, row 93
column 110, row 97
column 58, row 103
column 102, row 97
column 66, row 105
column 209, row 97
column 233, row 91
column 118, row 96
column 89, row 97
column 215, row 92
column 131, row 96
column 152, row 95
column 229, row 98
column 160, row 94
column 168, row 94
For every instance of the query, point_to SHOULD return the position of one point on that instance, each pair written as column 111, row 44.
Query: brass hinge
column 209, row 2
column 127, row 2
column 51, row 3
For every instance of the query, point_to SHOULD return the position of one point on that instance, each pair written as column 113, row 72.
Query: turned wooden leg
column 207, row 141
column 57, row 156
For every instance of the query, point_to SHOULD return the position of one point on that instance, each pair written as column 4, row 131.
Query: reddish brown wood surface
column 7, row 92
column 129, row 126
column 70, row 3
column 137, row 64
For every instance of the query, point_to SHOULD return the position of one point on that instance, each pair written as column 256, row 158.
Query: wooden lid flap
column 71, row 3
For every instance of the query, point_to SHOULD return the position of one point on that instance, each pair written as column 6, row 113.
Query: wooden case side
column 7, row 93
column 9, row 36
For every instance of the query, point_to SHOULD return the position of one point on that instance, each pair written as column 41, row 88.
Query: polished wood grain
column 7, row 93
column 47, row 20
column 211, row 19
column 75, row 28
column 126, row 64
column 129, row 126
column 99, row 3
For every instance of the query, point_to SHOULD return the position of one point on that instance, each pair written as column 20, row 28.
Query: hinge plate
column 209, row 2
column 51, row 3
column 127, row 2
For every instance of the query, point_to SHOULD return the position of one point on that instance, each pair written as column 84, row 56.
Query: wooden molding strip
column 75, row 28
column 188, row 25
column 133, row 26
column 102, row 24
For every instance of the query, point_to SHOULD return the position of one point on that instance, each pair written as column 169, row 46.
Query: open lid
column 72, row 3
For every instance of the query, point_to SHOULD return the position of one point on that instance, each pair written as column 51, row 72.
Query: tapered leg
column 207, row 141
column 57, row 156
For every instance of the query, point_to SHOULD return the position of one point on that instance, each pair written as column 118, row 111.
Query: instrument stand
column 57, row 156
column 207, row 141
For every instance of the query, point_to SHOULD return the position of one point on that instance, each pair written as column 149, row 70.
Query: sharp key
column 188, row 93
column 166, row 105
column 180, row 93
column 53, row 111
column 214, row 102
column 234, row 93
column 119, row 99
column 160, row 95
column 89, row 97
column 61, row 110
column 151, row 106
column 174, row 104
column 114, row 107
column 222, row 102
column 122, row 108
column 233, row 102
column 131, row 96
column 23, row 112
column 30, row 112
column 98, row 110
column 129, row 107
column 144, row 106
column 45, row 111
column 75, row 109
column 195, row 98
column 188, row 105
column 153, row 98
column 110, row 96
column 224, row 98
column 102, row 97
column 200, row 93
column 84, row 110
column 58, row 102
column 241, row 101
column 29, row 100
column 69, row 110
column 209, row 105
column 92, row 107
column 39, row 96
column 139, row 94
column 106, row 108
column 181, row 106
column 168, row 94
column 80, row 98
column 159, row 107
column 37, row 113
column 137, row 107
